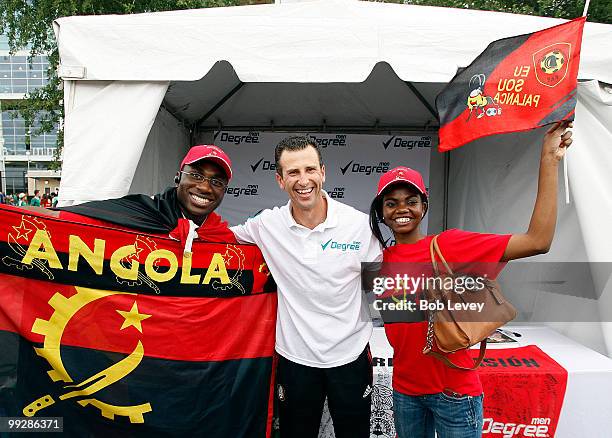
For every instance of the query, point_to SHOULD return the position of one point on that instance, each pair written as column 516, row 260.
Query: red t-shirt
column 415, row 373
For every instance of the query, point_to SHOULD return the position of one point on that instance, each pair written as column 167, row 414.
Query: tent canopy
column 322, row 41
column 319, row 64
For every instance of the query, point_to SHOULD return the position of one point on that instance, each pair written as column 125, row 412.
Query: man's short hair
column 296, row 143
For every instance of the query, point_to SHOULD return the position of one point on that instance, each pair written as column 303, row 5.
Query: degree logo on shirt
column 342, row 246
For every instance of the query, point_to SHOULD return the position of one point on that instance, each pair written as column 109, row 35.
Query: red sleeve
column 474, row 252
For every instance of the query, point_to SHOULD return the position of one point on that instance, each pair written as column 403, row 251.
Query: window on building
column 18, row 75
column 16, row 140
column 15, row 178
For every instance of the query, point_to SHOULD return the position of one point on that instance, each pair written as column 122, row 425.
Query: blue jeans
column 451, row 417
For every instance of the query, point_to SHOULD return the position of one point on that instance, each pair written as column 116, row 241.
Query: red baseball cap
column 209, row 152
column 402, row 174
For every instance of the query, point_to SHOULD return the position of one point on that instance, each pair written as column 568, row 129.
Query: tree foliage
column 600, row 11
column 28, row 24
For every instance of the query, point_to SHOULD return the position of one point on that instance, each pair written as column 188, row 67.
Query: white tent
column 140, row 88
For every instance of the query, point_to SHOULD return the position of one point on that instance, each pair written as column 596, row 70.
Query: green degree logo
column 342, row 246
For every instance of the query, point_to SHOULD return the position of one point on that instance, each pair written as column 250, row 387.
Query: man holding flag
column 158, row 325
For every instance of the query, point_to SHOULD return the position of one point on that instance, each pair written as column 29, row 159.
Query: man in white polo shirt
column 314, row 247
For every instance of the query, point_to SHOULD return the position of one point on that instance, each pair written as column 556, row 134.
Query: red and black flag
column 122, row 333
column 516, row 84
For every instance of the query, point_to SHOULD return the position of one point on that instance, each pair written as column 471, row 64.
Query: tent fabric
column 591, row 179
column 106, row 127
column 319, row 41
column 166, row 146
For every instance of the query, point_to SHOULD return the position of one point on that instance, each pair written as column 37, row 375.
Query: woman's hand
column 557, row 139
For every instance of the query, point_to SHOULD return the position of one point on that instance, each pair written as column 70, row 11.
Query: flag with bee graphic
column 517, row 83
column 123, row 333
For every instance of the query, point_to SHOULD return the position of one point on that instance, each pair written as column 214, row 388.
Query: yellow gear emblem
column 53, row 329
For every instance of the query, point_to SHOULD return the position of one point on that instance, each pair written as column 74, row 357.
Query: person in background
column 46, row 201
column 35, row 201
column 22, row 200
column 54, row 199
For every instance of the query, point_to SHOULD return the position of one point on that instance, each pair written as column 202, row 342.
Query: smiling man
column 314, row 247
column 185, row 211
column 201, row 181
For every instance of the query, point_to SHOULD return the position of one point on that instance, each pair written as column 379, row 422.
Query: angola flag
column 516, row 84
column 122, row 333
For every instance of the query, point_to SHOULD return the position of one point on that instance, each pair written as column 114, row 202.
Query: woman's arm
column 539, row 235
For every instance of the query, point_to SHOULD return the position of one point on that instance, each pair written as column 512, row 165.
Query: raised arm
column 539, row 235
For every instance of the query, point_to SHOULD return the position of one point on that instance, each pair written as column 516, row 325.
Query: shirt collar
column 331, row 219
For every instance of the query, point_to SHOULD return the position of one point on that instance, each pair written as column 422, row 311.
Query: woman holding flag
column 428, row 396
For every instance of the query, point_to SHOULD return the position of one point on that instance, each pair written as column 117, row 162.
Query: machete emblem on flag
column 551, row 63
column 143, row 246
column 231, row 252
column 263, row 268
column 53, row 329
column 22, row 234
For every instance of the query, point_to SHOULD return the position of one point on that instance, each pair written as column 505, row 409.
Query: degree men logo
column 238, row 139
column 263, row 165
column 249, row 190
column 551, row 63
column 324, row 141
column 367, row 169
column 407, row 142
column 539, row 427
column 342, row 246
column 337, row 193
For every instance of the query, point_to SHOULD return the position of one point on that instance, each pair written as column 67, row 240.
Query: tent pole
column 421, row 98
column 446, row 183
column 181, row 120
column 220, row 103
column 174, row 114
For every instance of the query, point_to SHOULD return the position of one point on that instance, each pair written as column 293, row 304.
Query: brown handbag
column 453, row 329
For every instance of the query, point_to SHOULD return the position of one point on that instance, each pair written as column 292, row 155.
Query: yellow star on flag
column 133, row 318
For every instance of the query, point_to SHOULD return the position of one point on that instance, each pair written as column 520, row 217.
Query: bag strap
column 434, row 249
column 446, row 360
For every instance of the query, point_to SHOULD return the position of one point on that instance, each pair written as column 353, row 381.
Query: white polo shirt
column 323, row 319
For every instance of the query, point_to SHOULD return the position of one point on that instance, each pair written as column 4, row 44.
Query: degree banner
column 524, row 390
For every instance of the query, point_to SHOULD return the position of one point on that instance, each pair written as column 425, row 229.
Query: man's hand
column 557, row 140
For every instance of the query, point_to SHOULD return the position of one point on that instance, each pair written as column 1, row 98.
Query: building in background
column 24, row 157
